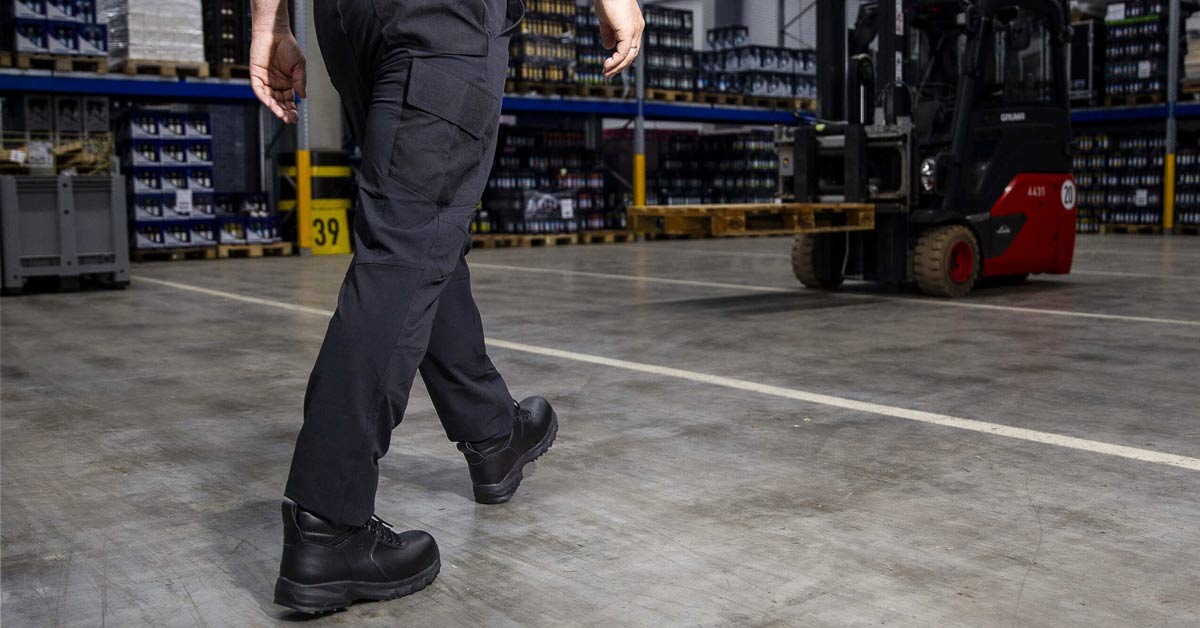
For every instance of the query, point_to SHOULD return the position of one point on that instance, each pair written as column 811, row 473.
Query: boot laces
column 383, row 530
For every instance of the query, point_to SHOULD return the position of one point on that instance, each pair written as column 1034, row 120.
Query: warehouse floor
column 735, row 451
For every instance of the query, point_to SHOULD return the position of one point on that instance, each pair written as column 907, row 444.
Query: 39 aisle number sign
column 330, row 232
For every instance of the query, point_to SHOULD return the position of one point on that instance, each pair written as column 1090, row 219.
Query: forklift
column 955, row 127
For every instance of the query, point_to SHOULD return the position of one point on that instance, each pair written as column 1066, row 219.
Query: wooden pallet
column 607, row 236
column 719, row 98
column 1133, row 100
column 231, row 71
column 611, row 92
column 162, row 68
column 1142, row 229
column 750, row 219
column 54, row 63
column 273, row 249
column 521, row 240
column 173, row 255
column 544, row 89
column 669, row 95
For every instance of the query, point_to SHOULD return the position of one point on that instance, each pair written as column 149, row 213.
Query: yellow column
column 1169, row 194
column 304, row 199
column 639, row 179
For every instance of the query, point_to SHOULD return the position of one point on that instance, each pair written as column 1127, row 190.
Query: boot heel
column 312, row 598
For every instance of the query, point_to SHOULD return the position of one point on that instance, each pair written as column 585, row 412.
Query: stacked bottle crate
column 167, row 161
column 1187, row 185
column 717, row 168
column 589, row 49
column 668, row 45
column 543, row 50
column 226, row 31
column 543, row 182
column 1136, row 50
column 167, row 158
column 670, row 49
column 732, row 67
column 59, row 27
column 1119, row 174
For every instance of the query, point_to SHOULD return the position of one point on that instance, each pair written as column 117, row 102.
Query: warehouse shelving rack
column 638, row 109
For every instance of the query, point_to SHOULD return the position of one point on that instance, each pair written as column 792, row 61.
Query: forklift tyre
column 818, row 259
column 946, row 261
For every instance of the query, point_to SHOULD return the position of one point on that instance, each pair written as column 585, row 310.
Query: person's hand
column 278, row 72
column 621, row 25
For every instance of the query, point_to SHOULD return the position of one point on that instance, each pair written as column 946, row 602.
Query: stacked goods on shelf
column 670, row 49
column 667, row 43
column 166, row 31
column 1187, row 184
column 226, row 32
column 1136, row 50
column 543, row 48
column 1191, row 62
column 246, row 218
column 731, row 67
column 167, row 160
column 1119, row 174
column 59, row 27
column 589, row 49
column 47, row 134
column 717, row 168
column 1086, row 69
column 543, row 182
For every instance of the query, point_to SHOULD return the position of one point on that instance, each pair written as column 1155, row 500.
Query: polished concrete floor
column 700, row 478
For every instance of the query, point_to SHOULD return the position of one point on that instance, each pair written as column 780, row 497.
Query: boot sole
column 503, row 490
column 331, row 596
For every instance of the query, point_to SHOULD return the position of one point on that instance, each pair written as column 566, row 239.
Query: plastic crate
column 63, row 227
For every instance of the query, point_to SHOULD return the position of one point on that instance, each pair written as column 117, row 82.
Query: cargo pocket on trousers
column 440, row 138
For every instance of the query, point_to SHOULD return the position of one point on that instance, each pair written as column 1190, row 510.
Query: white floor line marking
column 1074, row 271
column 632, row 278
column 845, row 295
column 983, row 427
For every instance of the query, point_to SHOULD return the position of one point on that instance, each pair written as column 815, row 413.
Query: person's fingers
column 608, row 36
column 622, row 57
column 300, row 78
column 618, row 56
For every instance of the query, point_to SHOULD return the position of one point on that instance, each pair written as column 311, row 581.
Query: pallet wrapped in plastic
column 154, row 30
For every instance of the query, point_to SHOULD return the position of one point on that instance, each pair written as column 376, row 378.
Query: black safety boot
column 327, row 566
column 497, row 474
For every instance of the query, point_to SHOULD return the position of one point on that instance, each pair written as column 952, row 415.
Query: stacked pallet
column 175, row 211
column 59, row 35
column 1191, row 62
column 160, row 37
column 544, row 182
column 755, row 72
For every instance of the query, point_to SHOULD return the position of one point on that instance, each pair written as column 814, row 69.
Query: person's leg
column 430, row 122
column 471, row 398
column 425, row 125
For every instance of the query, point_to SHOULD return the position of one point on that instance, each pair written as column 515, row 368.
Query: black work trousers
column 421, row 83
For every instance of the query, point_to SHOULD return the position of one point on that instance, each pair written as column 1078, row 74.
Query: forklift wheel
column 946, row 262
column 818, row 259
